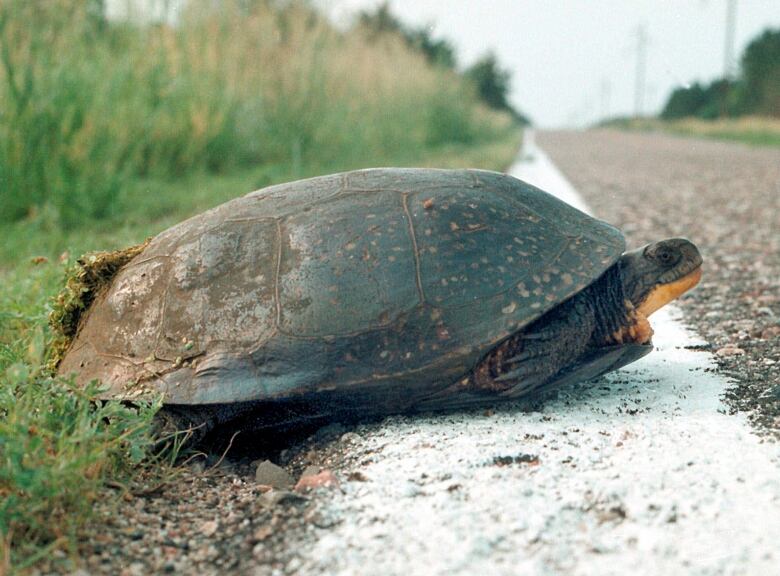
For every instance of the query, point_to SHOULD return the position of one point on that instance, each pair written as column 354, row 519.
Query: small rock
column 357, row 476
column 262, row 533
column 770, row 332
column 311, row 470
column 350, row 437
column 320, row 519
column 276, row 497
column 208, row 528
column 272, row 475
column 325, row 479
column 729, row 350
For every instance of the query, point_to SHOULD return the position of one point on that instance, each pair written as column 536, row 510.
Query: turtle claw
column 521, row 357
column 541, row 334
column 521, row 373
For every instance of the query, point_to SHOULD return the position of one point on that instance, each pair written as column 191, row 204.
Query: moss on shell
column 85, row 280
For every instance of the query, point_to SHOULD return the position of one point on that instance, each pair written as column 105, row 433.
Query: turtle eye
column 664, row 256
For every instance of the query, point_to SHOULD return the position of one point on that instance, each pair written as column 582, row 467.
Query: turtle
column 368, row 293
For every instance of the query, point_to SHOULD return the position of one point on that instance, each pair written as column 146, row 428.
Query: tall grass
column 86, row 106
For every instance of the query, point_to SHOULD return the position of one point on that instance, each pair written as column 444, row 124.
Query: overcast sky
column 574, row 61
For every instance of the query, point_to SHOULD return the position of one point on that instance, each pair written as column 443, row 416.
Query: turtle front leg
column 529, row 359
column 525, row 361
column 177, row 424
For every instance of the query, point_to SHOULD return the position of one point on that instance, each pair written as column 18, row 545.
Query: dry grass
column 755, row 130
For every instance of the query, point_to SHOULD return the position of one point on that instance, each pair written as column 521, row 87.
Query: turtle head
column 656, row 274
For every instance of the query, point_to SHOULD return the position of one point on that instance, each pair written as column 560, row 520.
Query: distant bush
column 716, row 99
column 493, row 83
column 761, row 74
column 756, row 91
column 381, row 20
column 87, row 105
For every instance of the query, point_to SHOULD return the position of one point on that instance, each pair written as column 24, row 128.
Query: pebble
column 770, row 332
column 729, row 350
column 311, row 470
column 208, row 528
column 324, row 479
column 269, row 474
column 262, row 533
column 350, row 437
column 276, row 497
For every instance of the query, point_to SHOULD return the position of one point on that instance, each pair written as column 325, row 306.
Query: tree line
column 755, row 90
column 490, row 80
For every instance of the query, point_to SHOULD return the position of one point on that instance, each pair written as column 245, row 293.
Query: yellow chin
column 662, row 295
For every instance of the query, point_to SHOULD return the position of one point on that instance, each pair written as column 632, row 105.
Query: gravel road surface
column 644, row 472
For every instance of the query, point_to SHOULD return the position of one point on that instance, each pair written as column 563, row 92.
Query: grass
column 752, row 130
column 86, row 106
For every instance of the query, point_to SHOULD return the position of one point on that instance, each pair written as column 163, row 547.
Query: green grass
column 752, row 130
column 58, row 448
column 86, row 106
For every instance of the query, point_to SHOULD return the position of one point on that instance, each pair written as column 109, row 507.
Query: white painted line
column 640, row 473
column 536, row 168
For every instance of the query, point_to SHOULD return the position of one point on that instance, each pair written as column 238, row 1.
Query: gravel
column 726, row 198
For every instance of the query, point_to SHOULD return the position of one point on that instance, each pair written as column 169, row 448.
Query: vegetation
column 111, row 132
column 753, row 130
column 88, row 106
column 756, row 91
column 381, row 20
column 761, row 75
column 492, row 83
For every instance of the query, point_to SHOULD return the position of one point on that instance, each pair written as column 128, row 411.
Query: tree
column 438, row 52
column 685, row 101
column 493, row 84
column 761, row 74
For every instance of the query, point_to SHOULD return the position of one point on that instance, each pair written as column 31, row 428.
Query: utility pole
column 606, row 92
column 728, row 51
column 728, row 56
column 641, row 66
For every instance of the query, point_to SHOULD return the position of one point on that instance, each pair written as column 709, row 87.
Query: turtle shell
column 389, row 281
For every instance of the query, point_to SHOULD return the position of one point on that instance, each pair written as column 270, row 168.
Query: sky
column 574, row 61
